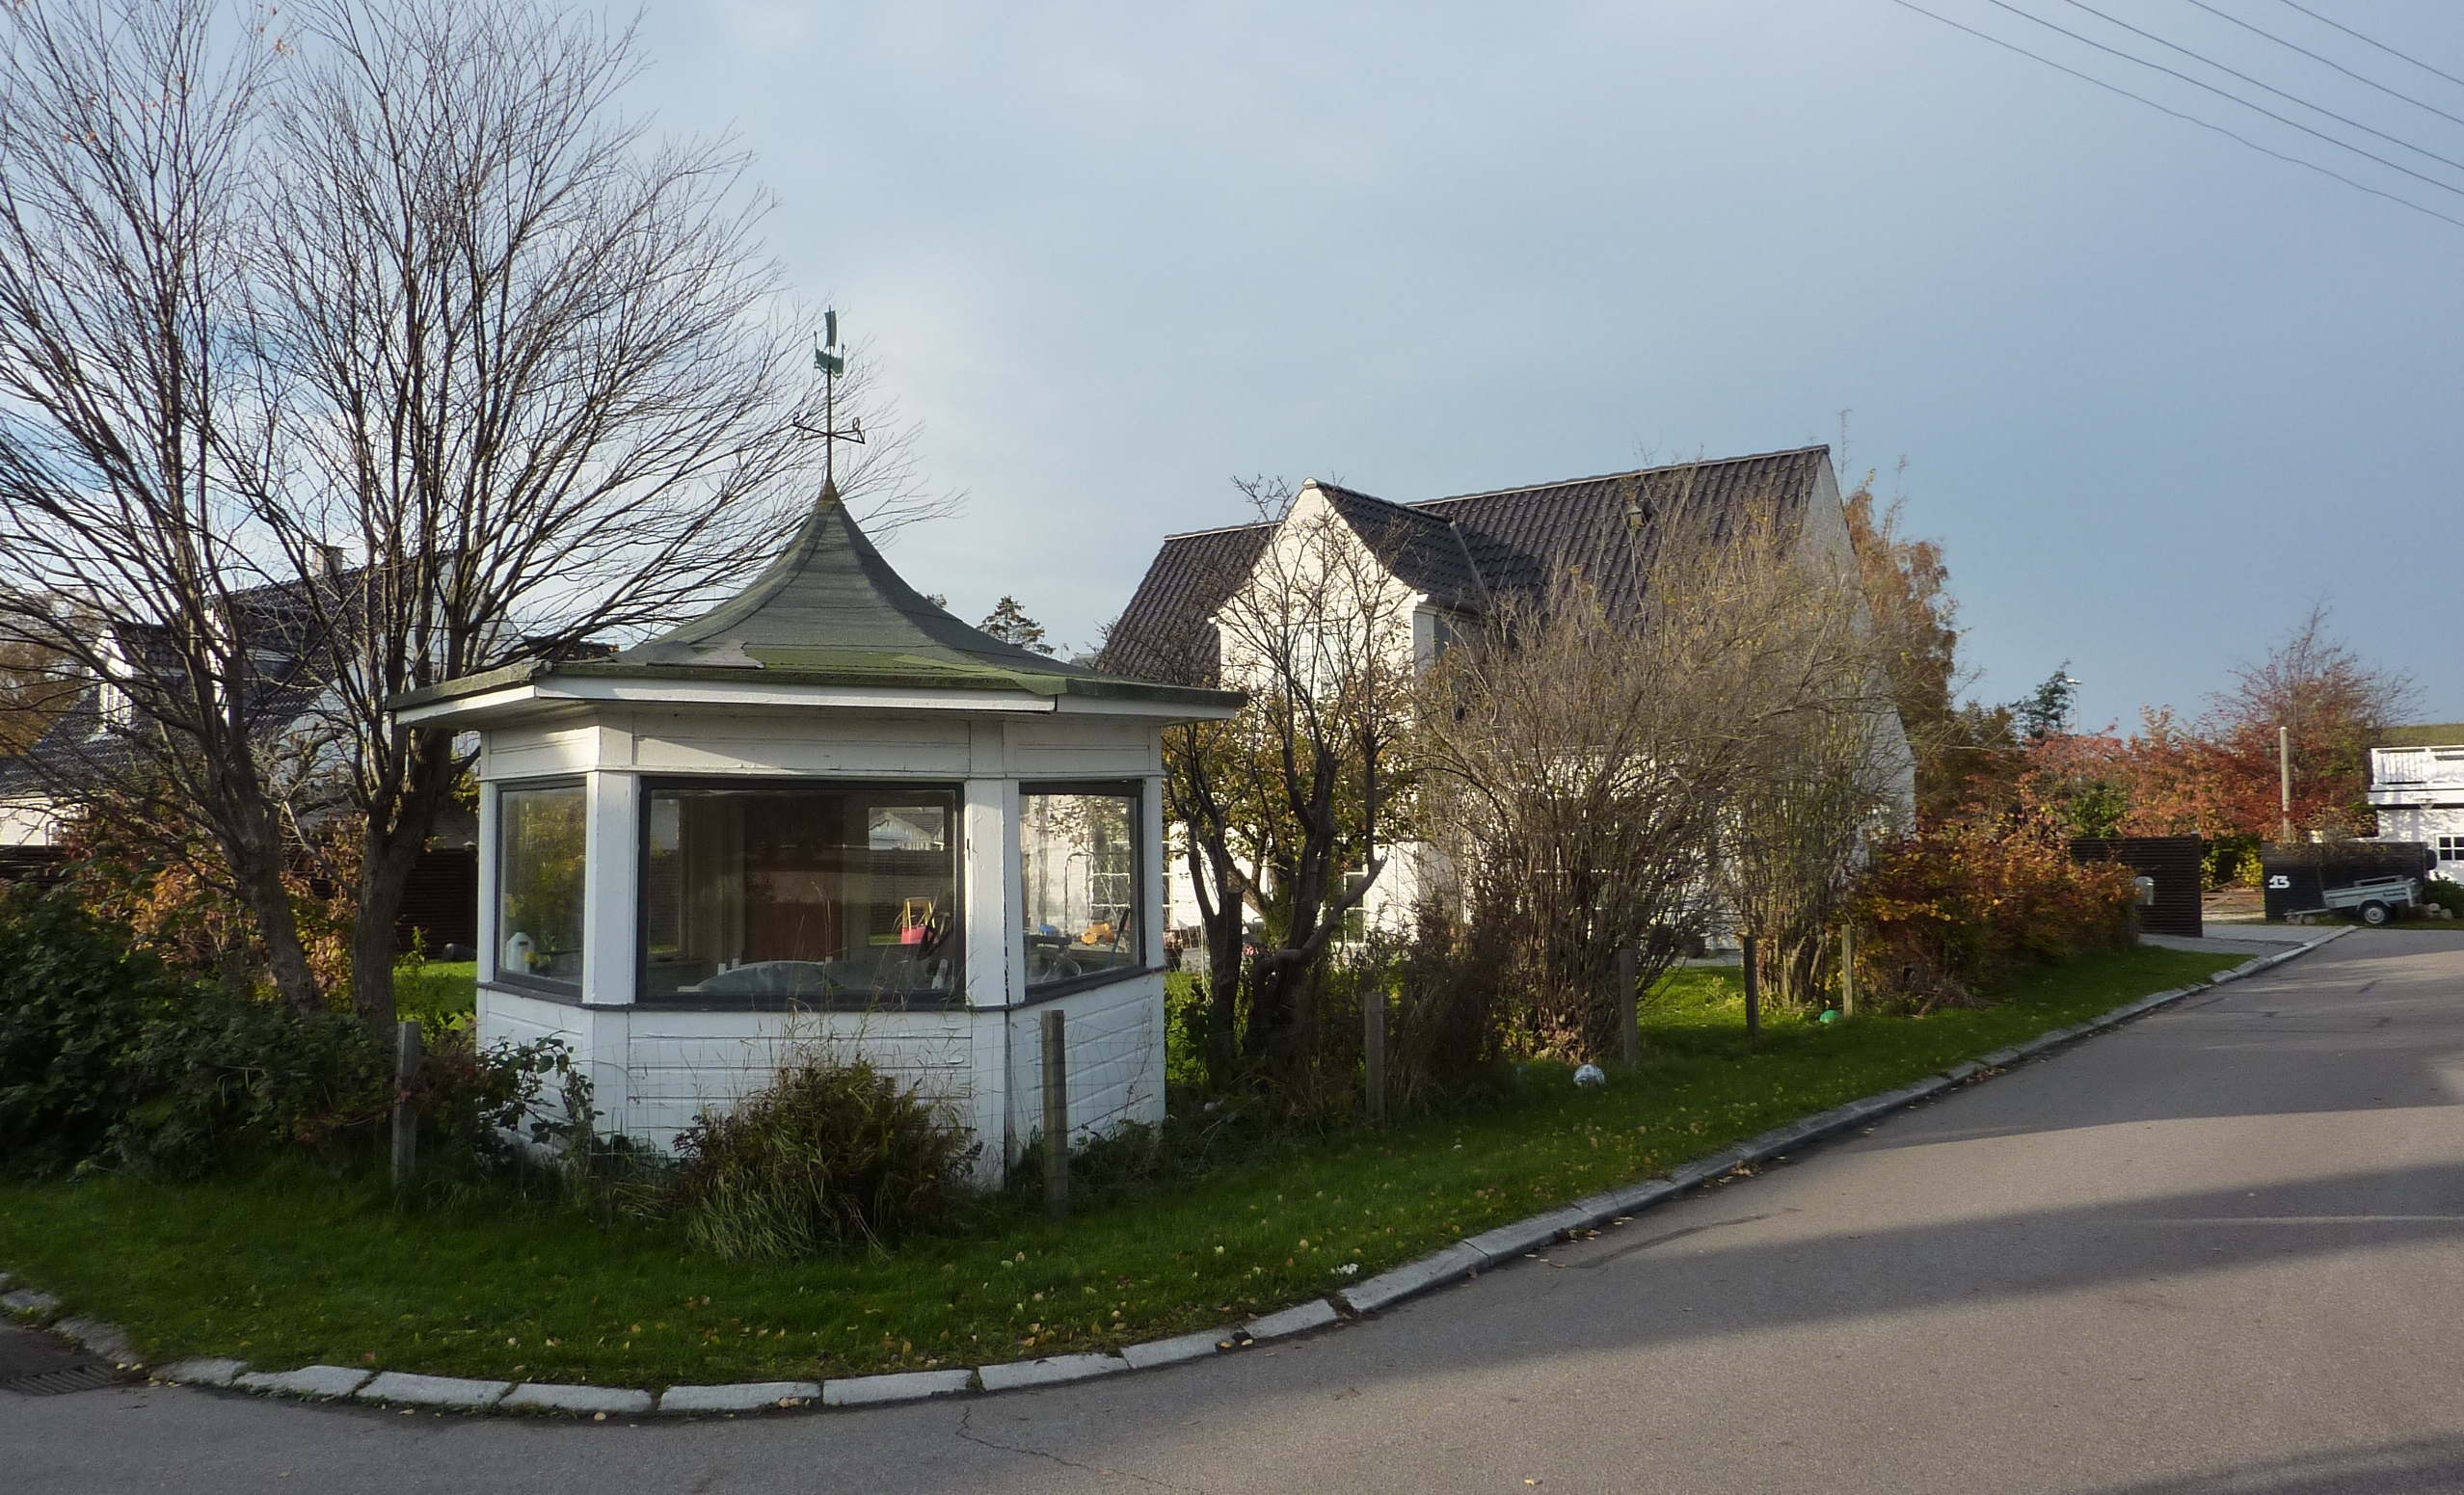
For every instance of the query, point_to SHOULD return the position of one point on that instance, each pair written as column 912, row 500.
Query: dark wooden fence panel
column 2177, row 863
column 441, row 901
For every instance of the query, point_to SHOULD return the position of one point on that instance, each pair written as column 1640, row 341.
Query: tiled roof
column 1423, row 550
column 1164, row 632
column 1470, row 552
column 1523, row 538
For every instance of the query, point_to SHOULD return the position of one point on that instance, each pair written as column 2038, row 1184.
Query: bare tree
column 1286, row 808
column 493, row 372
column 538, row 384
column 128, row 415
column 1796, row 829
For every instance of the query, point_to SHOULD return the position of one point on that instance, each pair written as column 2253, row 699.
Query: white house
column 1436, row 569
column 2418, row 795
column 826, row 813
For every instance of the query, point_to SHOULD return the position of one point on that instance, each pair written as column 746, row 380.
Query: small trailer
column 2314, row 877
column 2375, row 899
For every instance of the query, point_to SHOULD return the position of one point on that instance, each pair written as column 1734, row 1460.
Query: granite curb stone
column 1299, row 1318
column 554, row 1396
column 26, row 1300
column 737, row 1396
column 1393, row 1285
column 205, row 1371
column 404, row 1388
column 1514, row 1238
column 899, row 1386
column 1642, row 1195
column 1173, row 1351
column 1047, row 1371
column 308, row 1380
column 103, row 1339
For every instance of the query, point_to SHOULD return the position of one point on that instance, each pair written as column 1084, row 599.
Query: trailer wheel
column 2374, row 913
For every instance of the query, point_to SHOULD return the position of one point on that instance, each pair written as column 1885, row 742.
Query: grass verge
column 287, row 1265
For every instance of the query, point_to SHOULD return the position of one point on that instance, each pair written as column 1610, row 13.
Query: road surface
column 2220, row 1250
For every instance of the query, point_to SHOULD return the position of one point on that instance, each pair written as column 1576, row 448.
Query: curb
column 1460, row 1262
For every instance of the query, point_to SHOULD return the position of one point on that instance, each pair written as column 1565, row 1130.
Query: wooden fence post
column 1373, row 1055
column 1629, row 1025
column 1753, row 988
column 1056, row 1117
column 1847, row 970
column 406, row 1110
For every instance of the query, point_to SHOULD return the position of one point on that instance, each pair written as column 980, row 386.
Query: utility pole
column 2284, row 782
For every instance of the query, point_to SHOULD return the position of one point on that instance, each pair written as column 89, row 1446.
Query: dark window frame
column 1134, row 790
column 531, row 985
column 648, row 787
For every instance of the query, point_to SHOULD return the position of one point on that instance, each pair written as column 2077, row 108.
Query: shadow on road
column 2432, row 1464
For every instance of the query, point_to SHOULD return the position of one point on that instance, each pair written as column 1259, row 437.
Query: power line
column 2082, row 5
column 2326, row 61
column 2164, row 109
column 2374, row 42
column 2202, row 83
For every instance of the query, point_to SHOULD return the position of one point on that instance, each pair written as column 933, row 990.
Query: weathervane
column 832, row 361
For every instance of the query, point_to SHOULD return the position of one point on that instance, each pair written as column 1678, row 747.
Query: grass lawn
column 288, row 1266
column 438, row 993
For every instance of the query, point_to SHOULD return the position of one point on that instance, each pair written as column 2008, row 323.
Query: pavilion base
column 655, row 1069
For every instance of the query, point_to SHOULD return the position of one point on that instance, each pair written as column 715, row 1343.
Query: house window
column 540, row 838
column 800, row 892
column 2451, row 848
column 1084, row 914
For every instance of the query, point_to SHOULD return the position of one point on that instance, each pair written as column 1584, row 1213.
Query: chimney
column 331, row 556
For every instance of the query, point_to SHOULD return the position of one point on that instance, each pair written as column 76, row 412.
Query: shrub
column 2438, row 891
column 474, row 1103
column 1956, row 908
column 109, row 1058
column 832, row 1154
column 73, row 997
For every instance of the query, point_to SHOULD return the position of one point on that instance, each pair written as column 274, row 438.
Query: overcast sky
column 2154, row 391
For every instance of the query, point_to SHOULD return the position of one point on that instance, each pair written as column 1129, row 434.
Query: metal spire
column 831, row 358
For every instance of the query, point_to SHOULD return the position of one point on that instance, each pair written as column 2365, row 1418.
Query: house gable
column 1466, row 555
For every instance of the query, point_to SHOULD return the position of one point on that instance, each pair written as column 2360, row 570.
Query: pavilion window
column 1083, row 906
column 542, row 837
column 800, row 892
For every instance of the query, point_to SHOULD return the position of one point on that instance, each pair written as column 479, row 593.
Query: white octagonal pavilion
column 827, row 811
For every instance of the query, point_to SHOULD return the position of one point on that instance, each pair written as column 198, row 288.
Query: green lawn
column 288, row 1266
column 438, row 993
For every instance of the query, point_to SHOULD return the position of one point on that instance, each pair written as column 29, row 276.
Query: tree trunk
column 393, row 836
column 385, row 872
column 257, row 855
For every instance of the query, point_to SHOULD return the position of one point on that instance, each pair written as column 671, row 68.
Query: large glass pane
column 801, row 891
column 540, row 838
column 1080, row 861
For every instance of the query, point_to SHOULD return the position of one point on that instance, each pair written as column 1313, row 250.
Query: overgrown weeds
column 833, row 1154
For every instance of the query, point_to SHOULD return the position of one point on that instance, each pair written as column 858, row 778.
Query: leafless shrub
column 1602, row 778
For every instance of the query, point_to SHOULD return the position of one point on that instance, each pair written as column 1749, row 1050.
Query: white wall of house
column 29, row 822
column 2418, row 795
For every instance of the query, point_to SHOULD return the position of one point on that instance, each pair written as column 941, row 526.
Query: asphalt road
column 2217, row 1251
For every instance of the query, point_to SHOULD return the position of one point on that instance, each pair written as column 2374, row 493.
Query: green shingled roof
column 831, row 611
